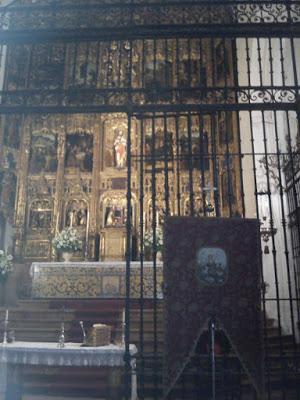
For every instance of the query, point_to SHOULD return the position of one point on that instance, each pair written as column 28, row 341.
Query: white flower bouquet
column 148, row 239
column 5, row 265
column 67, row 241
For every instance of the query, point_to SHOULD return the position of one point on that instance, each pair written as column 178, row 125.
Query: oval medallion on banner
column 212, row 266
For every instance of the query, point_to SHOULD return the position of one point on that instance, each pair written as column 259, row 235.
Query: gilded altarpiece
column 74, row 168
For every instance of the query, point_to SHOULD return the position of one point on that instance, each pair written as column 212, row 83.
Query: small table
column 18, row 354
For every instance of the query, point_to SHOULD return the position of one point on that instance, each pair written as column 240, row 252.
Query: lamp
column 266, row 233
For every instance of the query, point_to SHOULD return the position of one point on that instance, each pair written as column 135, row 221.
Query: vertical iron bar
column 74, row 65
column 142, row 356
column 87, row 51
column 213, row 358
column 167, row 147
column 120, row 48
column 154, row 252
column 108, row 63
column 202, row 162
column 189, row 80
column 237, row 116
column 227, row 127
column 166, row 64
column 97, row 78
column 190, row 165
column 127, row 356
column 143, row 62
column 178, row 160
column 215, row 163
column 228, row 166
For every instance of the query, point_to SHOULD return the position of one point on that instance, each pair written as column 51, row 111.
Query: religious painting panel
column 194, row 143
column 228, row 184
column 37, row 249
column 225, row 127
column 222, row 63
column 82, row 60
column 159, row 144
column 8, row 187
column 12, row 131
column 43, row 155
column 158, row 69
column 40, row 215
column 18, row 57
column 191, row 64
column 47, row 71
column 79, row 151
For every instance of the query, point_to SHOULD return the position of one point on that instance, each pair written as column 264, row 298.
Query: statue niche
column 113, row 232
column 79, row 151
column 76, row 214
column 115, row 212
column 40, row 215
column 43, row 157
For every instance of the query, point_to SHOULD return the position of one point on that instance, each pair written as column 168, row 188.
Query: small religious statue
column 82, row 217
column 120, row 148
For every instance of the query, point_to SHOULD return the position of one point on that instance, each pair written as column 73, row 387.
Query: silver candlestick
column 61, row 337
column 5, row 327
column 83, row 332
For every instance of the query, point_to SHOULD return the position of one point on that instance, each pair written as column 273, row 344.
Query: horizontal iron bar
column 132, row 4
column 149, row 32
column 141, row 90
column 138, row 109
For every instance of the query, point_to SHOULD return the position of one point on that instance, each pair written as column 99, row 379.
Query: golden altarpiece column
column 71, row 170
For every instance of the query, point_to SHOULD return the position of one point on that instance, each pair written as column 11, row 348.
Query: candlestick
column 123, row 327
column 5, row 327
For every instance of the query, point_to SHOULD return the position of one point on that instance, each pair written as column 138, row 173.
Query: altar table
column 15, row 356
column 94, row 279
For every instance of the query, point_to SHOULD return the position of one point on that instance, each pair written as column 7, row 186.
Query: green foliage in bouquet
column 5, row 265
column 67, row 241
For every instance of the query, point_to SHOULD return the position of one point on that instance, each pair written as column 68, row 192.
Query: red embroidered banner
column 212, row 269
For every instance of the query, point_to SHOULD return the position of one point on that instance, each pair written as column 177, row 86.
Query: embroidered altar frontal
column 93, row 280
column 212, row 271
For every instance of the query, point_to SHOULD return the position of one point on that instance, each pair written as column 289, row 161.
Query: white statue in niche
column 76, row 214
column 120, row 147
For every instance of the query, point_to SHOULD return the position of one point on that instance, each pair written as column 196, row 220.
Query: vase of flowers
column 66, row 243
column 5, row 269
column 148, row 244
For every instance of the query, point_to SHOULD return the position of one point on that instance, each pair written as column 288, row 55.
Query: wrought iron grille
column 209, row 92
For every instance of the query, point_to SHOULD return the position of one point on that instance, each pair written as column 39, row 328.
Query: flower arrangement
column 67, row 241
column 148, row 239
column 5, row 265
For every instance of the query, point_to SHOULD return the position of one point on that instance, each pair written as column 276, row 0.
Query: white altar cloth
column 33, row 353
